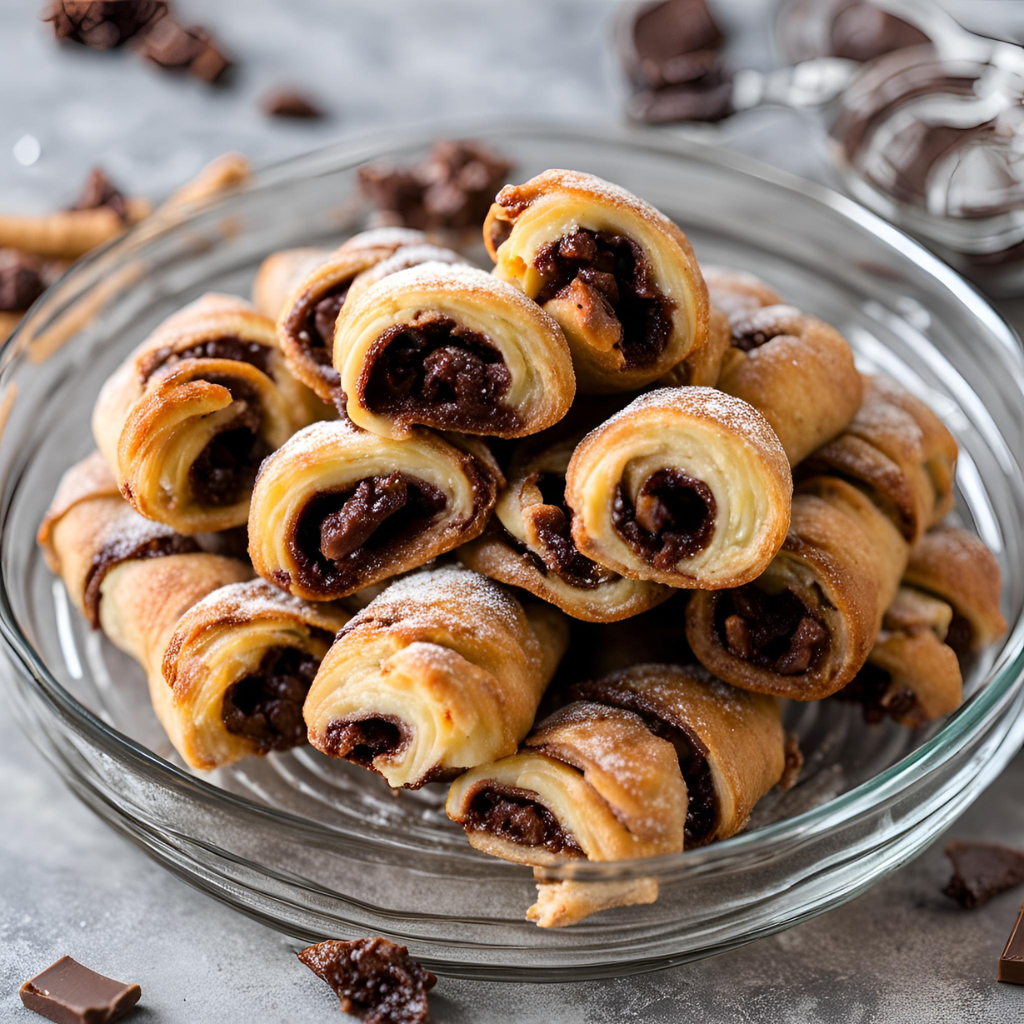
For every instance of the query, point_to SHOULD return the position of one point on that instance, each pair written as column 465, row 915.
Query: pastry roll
column 805, row 627
column 337, row 508
column 454, row 348
column 685, row 486
column 278, row 275
column 899, row 452
column 308, row 313
column 736, row 292
column 441, row 672
column 703, row 366
column 529, row 542
column 730, row 743
column 618, row 276
column 797, row 372
column 186, row 420
column 236, row 670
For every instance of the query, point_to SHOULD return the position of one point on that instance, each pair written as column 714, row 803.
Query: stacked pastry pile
column 593, row 428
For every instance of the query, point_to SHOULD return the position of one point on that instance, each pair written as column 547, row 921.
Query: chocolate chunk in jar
column 102, row 24
column 452, row 188
column 266, row 706
column 70, row 993
column 609, row 281
column 435, row 372
column 981, row 871
column 671, row 519
column 375, row 979
column 285, row 101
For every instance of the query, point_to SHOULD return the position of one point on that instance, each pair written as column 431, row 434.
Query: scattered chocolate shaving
column 981, row 871
column 99, row 191
column 69, row 993
column 794, row 763
column 193, row 49
column 375, row 979
column 1011, row 963
column 22, row 280
column 102, row 24
column 284, row 101
column 452, row 188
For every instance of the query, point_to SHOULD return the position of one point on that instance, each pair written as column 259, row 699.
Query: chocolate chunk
column 452, row 188
column 70, row 993
column 863, row 31
column 21, row 280
column 99, row 191
column 288, row 102
column 981, row 871
column 375, row 979
column 192, row 49
column 102, row 24
column 1011, row 963
column 664, row 32
column 354, row 523
column 775, row 631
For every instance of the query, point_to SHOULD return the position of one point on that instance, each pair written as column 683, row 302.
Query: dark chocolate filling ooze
column 161, row 542
column 228, row 347
column 702, row 809
column 339, row 533
column 436, row 372
column 614, row 276
column 363, row 740
column 672, row 519
column 552, row 520
column 312, row 325
column 777, row 632
column 225, row 470
column 517, row 816
column 266, row 707
column 870, row 689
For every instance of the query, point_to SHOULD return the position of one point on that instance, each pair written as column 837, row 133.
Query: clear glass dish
column 317, row 848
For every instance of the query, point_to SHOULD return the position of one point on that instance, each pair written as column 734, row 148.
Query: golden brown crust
column 688, row 487
column 737, row 735
column 278, row 276
column 305, row 531
column 222, row 174
column 899, row 451
column 68, row 234
column 211, row 369
column 703, row 366
column 797, row 371
column 842, row 561
column 450, row 661
column 957, row 567
column 526, row 220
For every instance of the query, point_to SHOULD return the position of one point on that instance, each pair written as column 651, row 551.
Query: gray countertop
column 68, row 884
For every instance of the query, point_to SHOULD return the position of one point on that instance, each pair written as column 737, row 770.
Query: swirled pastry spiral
column 685, row 486
column 441, row 672
column 454, row 348
column 619, row 277
column 278, row 275
column 337, row 508
column 186, row 420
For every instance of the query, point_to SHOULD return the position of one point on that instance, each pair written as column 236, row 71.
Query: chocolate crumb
column 375, row 979
column 287, row 102
column 452, row 188
column 981, row 871
column 193, row 49
column 70, row 993
column 102, row 24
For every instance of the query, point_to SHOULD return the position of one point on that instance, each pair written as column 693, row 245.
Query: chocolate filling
column 228, row 347
column 225, row 469
column 312, row 325
column 959, row 636
column 559, row 556
column 266, row 707
column 870, row 689
column 702, row 808
column 516, row 815
column 438, row 373
column 360, row 742
column 673, row 518
column 611, row 276
column 777, row 632
column 340, row 533
column 746, row 335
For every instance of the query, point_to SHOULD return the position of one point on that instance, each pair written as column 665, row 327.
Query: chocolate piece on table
column 192, row 49
column 375, row 979
column 102, row 24
column 287, row 102
column 452, row 188
column 1011, row 963
column 22, row 280
column 981, row 871
column 99, row 191
column 69, row 993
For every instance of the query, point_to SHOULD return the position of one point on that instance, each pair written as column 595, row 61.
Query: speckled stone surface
column 68, row 884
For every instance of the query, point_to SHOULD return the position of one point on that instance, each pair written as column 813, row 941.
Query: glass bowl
column 317, row 848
